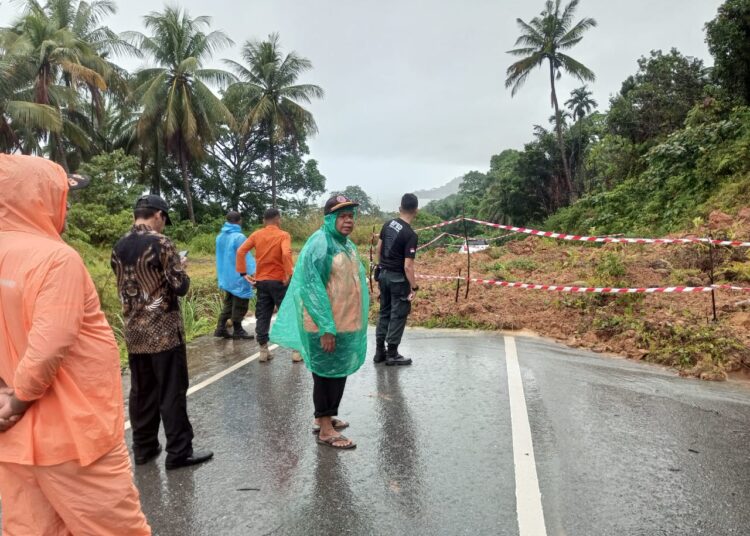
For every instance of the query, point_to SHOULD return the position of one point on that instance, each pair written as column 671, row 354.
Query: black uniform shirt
column 399, row 244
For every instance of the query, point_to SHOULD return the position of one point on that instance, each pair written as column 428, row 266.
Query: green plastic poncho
column 327, row 294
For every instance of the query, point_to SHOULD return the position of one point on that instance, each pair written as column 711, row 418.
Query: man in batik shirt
column 150, row 278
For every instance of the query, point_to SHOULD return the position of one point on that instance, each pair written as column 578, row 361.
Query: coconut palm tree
column 53, row 63
column 270, row 80
column 544, row 39
column 84, row 20
column 581, row 102
column 18, row 115
column 176, row 104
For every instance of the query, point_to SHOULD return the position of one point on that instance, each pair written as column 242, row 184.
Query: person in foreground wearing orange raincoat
column 64, row 466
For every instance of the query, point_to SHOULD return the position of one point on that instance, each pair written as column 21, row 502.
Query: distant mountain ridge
column 441, row 192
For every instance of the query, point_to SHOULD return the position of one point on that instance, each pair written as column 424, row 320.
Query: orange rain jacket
column 273, row 254
column 56, row 347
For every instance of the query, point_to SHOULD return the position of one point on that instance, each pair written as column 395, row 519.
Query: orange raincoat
column 56, row 347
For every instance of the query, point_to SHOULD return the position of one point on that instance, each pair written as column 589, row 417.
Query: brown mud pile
column 676, row 330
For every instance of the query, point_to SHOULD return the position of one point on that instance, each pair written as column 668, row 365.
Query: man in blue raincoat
column 324, row 315
column 236, row 288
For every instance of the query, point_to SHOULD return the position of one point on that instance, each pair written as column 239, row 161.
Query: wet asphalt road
column 621, row 448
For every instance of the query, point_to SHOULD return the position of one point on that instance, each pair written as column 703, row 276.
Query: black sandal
column 331, row 440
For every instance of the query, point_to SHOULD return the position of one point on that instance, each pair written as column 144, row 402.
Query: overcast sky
column 415, row 91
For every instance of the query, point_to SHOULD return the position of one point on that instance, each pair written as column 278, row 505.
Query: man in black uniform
column 397, row 247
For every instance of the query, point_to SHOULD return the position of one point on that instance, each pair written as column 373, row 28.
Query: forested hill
column 441, row 192
column 673, row 145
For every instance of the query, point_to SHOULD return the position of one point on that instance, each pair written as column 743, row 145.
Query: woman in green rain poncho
column 324, row 315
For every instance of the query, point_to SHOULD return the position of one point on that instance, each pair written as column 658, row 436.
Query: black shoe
column 379, row 356
column 222, row 333
column 147, row 457
column 396, row 361
column 195, row 458
column 242, row 334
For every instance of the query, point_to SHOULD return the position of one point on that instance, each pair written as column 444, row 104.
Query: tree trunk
column 560, row 140
column 273, row 171
column 186, row 185
column 156, row 170
column 57, row 151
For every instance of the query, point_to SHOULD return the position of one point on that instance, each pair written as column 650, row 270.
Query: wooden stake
column 468, row 257
column 371, row 257
column 458, row 284
column 711, row 275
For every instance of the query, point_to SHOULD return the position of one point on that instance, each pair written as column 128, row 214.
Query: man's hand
column 328, row 342
column 250, row 279
column 9, row 411
column 411, row 295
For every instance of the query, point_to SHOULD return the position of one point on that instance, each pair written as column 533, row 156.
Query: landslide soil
column 676, row 330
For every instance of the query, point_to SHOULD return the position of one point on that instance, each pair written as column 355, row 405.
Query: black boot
column 240, row 333
column 222, row 332
column 393, row 358
column 380, row 353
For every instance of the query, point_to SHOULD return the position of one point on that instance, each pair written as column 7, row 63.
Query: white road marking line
column 528, row 496
column 216, row 377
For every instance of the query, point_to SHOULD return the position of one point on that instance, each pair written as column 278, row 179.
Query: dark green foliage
column 728, row 38
column 367, row 207
column 681, row 177
column 656, row 100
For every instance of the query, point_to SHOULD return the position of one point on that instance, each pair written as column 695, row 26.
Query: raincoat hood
column 35, row 194
column 329, row 225
column 231, row 228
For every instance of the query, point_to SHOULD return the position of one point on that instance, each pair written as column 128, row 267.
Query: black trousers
column 158, row 392
column 327, row 393
column 394, row 308
column 234, row 309
column 269, row 294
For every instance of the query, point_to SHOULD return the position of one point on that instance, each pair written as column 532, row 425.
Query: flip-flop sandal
column 331, row 440
column 338, row 425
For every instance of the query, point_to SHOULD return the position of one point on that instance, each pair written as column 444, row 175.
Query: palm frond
column 575, row 68
column 31, row 116
column 216, row 77
column 518, row 72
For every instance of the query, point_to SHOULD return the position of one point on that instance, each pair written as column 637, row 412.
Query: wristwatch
column 414, row 289
column 243, row 275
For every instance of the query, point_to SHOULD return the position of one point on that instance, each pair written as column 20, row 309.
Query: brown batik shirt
column 150, row 278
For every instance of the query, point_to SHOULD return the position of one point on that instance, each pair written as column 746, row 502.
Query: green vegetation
column 697, row 348
column 205, row 139
column 455, row 321
column 543, row 40
column 673, row 146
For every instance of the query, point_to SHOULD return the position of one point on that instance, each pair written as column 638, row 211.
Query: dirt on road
column 671, row 329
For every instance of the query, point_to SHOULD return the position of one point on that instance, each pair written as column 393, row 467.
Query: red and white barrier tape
column 428, row 244
column 611, row 239
column 478, row 237
column 597, row 239
column 437, row 226
column 587, row 290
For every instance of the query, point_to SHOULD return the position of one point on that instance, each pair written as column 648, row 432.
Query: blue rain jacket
column 228, row 242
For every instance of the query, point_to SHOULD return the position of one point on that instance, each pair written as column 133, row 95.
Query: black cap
column 337, row 202
column 154, row 202
column 77, row 181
